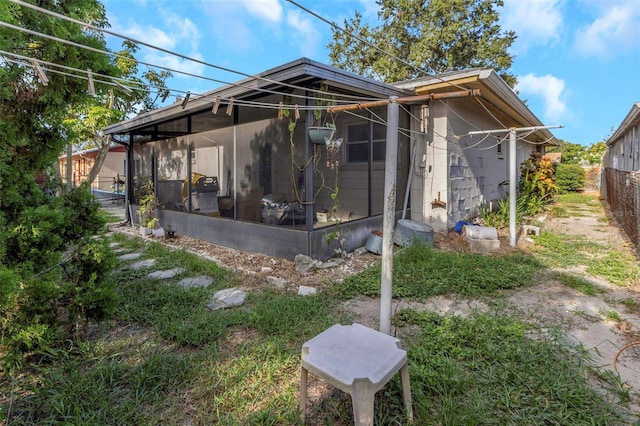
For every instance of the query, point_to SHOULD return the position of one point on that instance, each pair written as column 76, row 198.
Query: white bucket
column 481, row 232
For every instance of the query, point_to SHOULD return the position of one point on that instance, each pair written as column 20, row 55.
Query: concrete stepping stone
column 129, row 256
column 165, row 274
column 114, row 245
column 304, row 290
column 200, row 281
column 227, row 298
column 146, row 263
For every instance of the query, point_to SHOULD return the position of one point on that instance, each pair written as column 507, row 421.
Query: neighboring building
column 234, row 137
column 82, row 161
column 621, row 178
column 623, row 147
column 554, row 157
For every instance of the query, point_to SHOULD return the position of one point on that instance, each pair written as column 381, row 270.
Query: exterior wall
column 624, row 152
column 466, row 171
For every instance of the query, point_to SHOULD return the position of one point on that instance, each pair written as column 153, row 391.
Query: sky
column 577, row 61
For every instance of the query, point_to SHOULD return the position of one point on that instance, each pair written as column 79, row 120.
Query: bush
column 569, row 177
column 53, row 276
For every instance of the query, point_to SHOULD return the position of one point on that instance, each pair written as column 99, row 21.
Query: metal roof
column 496, row 95
column 632, row 118
column 297, row 72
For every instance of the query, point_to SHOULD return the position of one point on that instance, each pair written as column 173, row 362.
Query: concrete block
column 477, row 245
column 530, row 230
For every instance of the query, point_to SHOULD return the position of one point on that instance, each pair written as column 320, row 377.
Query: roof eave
column 489, row 80
column 298, row 68
column 632, row 118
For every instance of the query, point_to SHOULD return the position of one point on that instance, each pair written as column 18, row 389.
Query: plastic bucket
column 481, row 232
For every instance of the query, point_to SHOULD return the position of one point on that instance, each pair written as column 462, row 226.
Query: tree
column 47, row 256
column 32, row 129
column 594, row 153
column 432, row 35
column 572, row 153
column 86, row 121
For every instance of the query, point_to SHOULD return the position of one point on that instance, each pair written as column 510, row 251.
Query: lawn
column 166, row 359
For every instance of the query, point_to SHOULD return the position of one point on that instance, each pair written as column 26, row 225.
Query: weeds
column 420, row 272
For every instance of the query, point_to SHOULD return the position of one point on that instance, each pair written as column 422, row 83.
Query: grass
column 165, row 359
column 577, row 283
column 420, row 272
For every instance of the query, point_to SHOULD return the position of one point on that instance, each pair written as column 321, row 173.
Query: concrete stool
column 357, row 360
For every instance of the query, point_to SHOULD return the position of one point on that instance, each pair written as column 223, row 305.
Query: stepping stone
column 201, row 281
column 130, row 256
column 114, row 245
column 304, row 290
column 146, row 263
column 277, row 282
column 165, row 274
column 227, row 298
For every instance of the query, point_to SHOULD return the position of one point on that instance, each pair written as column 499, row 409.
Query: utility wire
column 151, row 46
column 82, row 75
column 368, row 43
column 116, row 55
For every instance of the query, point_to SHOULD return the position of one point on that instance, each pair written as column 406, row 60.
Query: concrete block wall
column 466, row 171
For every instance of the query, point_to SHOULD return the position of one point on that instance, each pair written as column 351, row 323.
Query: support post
column 512, row 187
column 389, row 215
column 513, row 171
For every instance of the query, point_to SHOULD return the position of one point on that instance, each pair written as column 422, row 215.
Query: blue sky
column 577, row 61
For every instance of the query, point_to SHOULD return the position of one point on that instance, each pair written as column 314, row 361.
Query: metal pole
column 513, row 171
column 512, row 187
column 391, row 165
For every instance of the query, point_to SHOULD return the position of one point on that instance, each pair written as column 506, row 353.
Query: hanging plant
column 321, row 131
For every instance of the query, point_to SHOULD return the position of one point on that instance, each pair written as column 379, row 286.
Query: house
column 113, row 169
column 623, row 147
column 554, row 157
column 237, row 165
column 457, row 171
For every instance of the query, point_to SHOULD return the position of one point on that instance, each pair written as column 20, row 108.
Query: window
column 358, row 138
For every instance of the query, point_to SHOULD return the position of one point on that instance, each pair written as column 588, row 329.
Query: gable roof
column 632, row 119
column 495, row 95
column 299, row 72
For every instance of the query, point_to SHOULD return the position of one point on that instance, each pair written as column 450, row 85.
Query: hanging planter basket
column 317, row 134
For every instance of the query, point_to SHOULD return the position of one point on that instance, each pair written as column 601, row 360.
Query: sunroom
column 237, row 166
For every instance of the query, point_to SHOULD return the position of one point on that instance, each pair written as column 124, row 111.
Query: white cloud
column 550, row 88
column 269, row 10
column 616, row 31
column 175, row 63
column 184, row 30
column 536, row 22
column 304, row 32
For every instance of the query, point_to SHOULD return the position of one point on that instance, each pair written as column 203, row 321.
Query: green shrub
column 55, row 275
column 569, row 177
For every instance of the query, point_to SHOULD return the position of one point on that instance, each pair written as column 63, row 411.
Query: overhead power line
column 180, row 55
column 368, row 43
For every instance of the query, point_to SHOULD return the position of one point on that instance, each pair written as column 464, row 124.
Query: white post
column 512, row 187
column 513, row 171
column 389, row 216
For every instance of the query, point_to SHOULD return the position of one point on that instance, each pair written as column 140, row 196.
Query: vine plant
column 293, row 115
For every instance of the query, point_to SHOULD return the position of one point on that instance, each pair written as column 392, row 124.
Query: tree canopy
column 432, row 36
column 48, row 261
